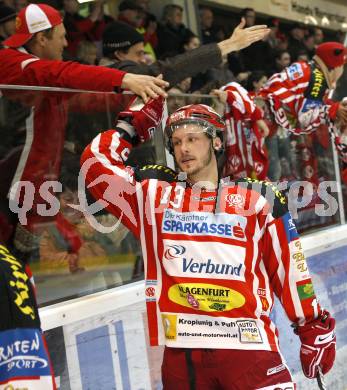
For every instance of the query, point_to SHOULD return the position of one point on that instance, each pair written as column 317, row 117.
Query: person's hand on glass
column 221, row 95
column 145, row 86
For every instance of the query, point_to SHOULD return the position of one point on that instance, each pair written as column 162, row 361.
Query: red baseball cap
column 333, row 54
column 30, row 20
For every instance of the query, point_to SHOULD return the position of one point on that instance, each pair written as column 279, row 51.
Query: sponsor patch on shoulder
column 295, row 71
column 305, row 290
column 275, row 370
column 289, row 227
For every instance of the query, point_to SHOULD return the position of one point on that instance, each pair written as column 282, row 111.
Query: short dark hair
column 48, row 33
column 309, row 35
column 129, row 4
column 205, row 8
column 245, row 10
column 187, row 37
column 301, row 26
column 302, row 52
column 254, row 77
column 279, row 54
column 169, row 8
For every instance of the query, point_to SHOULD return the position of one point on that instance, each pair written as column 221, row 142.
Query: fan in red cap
column 30, row 20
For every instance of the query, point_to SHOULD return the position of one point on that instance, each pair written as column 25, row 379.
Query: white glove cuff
column 127, row 127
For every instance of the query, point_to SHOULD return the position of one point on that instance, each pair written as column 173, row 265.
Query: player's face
column 192, row 149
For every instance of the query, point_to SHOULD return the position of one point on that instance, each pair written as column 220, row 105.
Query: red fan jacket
column 39, row 160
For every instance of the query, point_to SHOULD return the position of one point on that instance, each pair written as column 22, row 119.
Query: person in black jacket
column 25, row 360
column 123, row 49
column 296, row 41
column 208, row 30
column 171, row 31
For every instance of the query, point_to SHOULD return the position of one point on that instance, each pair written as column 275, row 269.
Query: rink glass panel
column 68, row 257
column 65, row 123
column 339, row 95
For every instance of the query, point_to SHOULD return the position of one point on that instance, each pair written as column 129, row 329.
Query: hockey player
column 299, row 103
column 245, row 132
column 215, row 255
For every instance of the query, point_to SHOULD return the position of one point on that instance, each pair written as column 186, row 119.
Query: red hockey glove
column 143, row 117
column 318, row 345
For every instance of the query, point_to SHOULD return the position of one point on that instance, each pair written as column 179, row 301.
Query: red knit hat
column 333, row 54
column 30, row 20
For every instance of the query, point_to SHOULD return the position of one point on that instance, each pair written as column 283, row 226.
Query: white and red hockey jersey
column 213, row 260
column 298, row 98
column 244, row 147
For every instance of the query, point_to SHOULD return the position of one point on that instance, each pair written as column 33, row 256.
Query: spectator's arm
column 71, row 75
column 89, row 77
column 177, row 68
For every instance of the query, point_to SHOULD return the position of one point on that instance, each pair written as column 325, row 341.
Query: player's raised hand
column 143, row 118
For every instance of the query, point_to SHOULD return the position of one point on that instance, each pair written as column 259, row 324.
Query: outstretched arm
column 88, row 77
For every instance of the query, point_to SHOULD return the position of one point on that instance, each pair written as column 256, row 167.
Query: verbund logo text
column 210, row 268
